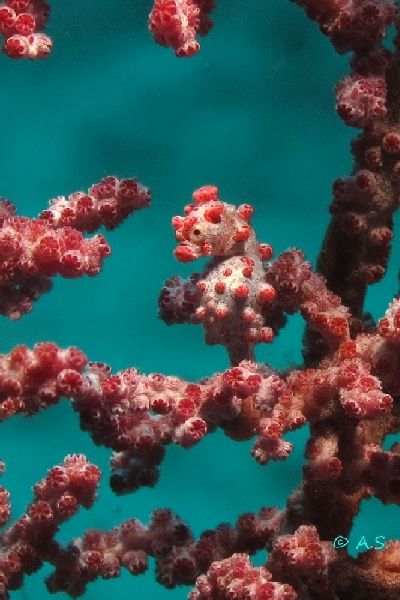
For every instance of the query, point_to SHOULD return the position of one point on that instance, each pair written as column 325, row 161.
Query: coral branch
column 176, row 23
column 237, row 579
column 303, row 560
column 137, row 415
column 32, row 251
column 179, row 558
column 107, row 203
column 351, row 24
column 30, row 540
column 357, row 245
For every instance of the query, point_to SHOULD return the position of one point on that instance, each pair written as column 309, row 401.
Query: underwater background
column 253, row 113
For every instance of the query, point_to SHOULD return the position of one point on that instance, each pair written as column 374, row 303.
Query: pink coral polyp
column 176, row 23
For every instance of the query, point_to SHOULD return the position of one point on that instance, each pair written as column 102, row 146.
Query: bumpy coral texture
column 351, row 24
column 347, row 391
column 32, row 251
column 239, row 580
column 176, row 23
column 21, row 22
column 27, row 543
column 138, row 415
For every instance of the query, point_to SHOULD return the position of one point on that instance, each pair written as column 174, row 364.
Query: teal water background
column 253, row 113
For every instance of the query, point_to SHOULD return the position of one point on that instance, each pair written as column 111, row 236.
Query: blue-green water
column 252, row 113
